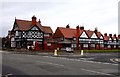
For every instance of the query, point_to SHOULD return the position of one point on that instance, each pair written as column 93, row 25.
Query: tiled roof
column 26, row 25
column 106, row 38
column 81, row 31
column 68, row 32
column 114, row 37
column 118, row 37
column 23, row 24
column 89, row 33
column 47, row 29
column 99, row 34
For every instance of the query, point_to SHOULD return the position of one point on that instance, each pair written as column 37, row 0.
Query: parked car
column 68, row 49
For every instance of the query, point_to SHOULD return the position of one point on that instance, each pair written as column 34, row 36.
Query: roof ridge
column 46, row 26
column 67, row 28
column 23, row 20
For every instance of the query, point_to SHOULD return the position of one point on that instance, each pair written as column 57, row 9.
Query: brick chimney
column 81, row 27
column 34, row 20
column 39, row 21
column 110, row 35
column 119, row 35
column 96, row 30
column 68, row 26
column 77, row 35
column 114, row 35
column 105, row 34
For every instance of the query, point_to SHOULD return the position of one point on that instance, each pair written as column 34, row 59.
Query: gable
column 34, row 28
column 47, row 29
column 58, row 33
column 110, row 39
column 94, row 36
column 101, row 37
column 115, row 39
column 15, row 27
column 83, row 35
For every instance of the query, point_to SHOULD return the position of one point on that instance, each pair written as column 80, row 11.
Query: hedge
column 99, row 51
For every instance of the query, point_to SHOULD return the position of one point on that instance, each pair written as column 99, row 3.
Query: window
column 114, row 42
column 97, row 41
column 93, row 40
column 109, row 46
column 101, row 41
column 109, row 42
column 93, row 45
column 49, row 44
column 101, row 45
column 85, row 45
column 46, row 35
column 82, row 40
column 74, row 39
column 73, row 45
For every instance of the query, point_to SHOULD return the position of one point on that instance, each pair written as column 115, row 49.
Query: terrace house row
column 32, row 33
column 85, row 39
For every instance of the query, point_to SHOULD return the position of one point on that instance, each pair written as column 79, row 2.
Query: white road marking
column 1, row 51
column 95, row 71
column 81, row 60
column 115, row 60
column 51, row 63
column 7, row 75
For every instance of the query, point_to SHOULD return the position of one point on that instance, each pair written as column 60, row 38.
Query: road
column 22, row 64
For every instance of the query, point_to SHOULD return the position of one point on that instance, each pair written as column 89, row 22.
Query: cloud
column 56, row 13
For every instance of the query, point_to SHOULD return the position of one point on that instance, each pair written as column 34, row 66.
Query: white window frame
column 85, row 45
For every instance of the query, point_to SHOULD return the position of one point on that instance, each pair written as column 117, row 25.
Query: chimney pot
column 34, row 20
column 77, row 27
column 39, row 21
column 114, row 35
column 82, row 28
column 68, row 26
column 96, row 29
column 119, row 35
column 110, row 35
column 105, row 34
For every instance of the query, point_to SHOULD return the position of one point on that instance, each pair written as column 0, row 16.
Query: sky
column 102, row 14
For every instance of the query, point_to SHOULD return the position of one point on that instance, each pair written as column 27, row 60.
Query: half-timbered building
column 79, row 38
column 90, row 39
column 26, row 34
column 30, row 33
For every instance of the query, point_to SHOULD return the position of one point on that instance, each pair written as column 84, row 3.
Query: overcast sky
column 102, row 14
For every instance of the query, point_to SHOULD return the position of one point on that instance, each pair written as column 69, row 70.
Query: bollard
column 55, row 52
column 81, row 52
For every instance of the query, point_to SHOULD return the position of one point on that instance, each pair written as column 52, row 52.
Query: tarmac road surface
column 22, row 64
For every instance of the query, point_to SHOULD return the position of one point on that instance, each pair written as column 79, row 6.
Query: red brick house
column 118, row 42
column 64, row 36
column 78, row 38
column 111, row 42
column 90, row 39
column 27, row 33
